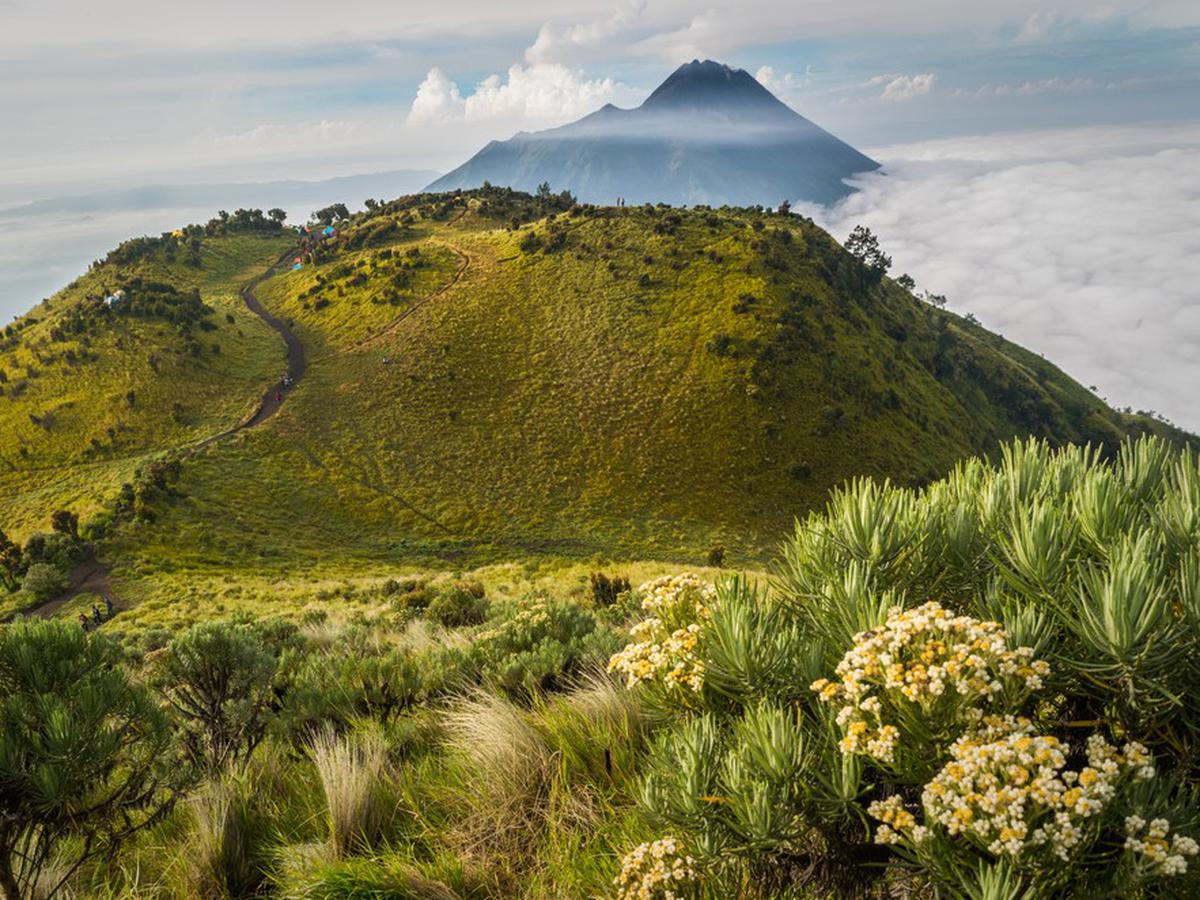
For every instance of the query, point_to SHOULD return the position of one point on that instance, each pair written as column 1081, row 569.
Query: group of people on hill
column 97, row 618
column 285, row 383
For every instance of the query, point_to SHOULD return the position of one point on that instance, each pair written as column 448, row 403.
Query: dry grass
column 506, row 770
column 219, row 859
column 351, row 769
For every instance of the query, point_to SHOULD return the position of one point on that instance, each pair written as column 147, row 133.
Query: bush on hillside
column 217, row 679
column 57, row 549
column 460, row 605
column 359, row 678
column 605, row 590
column 537, row 644
column 82, row 755
column 43, row 581
column 985, row 689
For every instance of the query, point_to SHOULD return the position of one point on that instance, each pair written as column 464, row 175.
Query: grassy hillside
column 629, row 382
column 493, row 376
column 88, row 391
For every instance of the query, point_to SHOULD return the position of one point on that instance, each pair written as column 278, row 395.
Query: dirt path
column 273, row 398
column 92, row 576
column 87, row 577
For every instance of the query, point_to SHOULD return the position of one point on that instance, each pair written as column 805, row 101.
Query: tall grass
column 507, row 765
column 351, row 769
column 220, row 855
column 540, row 794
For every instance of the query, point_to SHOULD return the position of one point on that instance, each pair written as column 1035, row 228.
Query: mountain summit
column 708, row 134
column 706, row 86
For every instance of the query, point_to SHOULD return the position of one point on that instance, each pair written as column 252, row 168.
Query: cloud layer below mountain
column 1083, row 245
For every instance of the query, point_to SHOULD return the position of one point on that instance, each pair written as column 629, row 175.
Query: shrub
column 984, row 688
column 605, row 590
column 44, row 581
column 217, row 679
column 461, row 605
column 82, row 752
column 535, row 645
column 356, row 678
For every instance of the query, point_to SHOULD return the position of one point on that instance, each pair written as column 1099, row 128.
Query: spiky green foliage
column 82, row 752
column 1090, row 564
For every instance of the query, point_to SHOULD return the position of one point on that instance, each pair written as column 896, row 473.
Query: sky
column 1040, row 159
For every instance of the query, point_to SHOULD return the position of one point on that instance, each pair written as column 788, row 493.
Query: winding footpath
column 297, row 364
column 92, row 576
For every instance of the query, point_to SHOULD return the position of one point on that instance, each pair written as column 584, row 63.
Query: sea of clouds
column 1081, row 244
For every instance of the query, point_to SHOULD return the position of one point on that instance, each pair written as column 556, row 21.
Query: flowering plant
column 1014, row 796
column 655, row 871
column 663, row 649
column 921, row 680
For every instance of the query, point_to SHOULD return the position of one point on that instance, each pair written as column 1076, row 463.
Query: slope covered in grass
column 587, row 381
column 89, row 390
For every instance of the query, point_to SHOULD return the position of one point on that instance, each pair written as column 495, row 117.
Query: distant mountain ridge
column 709, row 134
column 251, row 194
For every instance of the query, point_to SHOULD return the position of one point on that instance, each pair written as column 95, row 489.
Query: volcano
column 709, row 134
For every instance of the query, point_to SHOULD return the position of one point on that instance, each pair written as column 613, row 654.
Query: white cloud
column 568, row 44
column 543, row 92
column 1031, row 88
column 1042, row 25
column 437, row 100
column 782, row 83
column 1083, row 245
column 906, row 87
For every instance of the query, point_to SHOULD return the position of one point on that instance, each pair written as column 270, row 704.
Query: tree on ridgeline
column 83, row 761
column 864, row 246
column 333, row 213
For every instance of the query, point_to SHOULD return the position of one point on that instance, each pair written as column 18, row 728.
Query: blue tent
column 328, row 230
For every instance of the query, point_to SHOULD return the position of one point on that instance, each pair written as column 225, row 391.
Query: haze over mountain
column 51, row 239
column 709, row 134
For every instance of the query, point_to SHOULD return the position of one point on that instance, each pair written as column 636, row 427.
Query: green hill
column 496, row 376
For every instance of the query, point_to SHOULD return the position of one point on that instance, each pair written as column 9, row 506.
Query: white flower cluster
column 945, row 664
column 654, row 871
column 1153, row 853
column 1014, row 795
column 664, row 644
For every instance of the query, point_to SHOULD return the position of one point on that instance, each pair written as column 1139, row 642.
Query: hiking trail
column 273, row 398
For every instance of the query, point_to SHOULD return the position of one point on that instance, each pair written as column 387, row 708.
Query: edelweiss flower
column 946, row 665
column 664, row 645
column 1011, row 794
column 652, row 871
